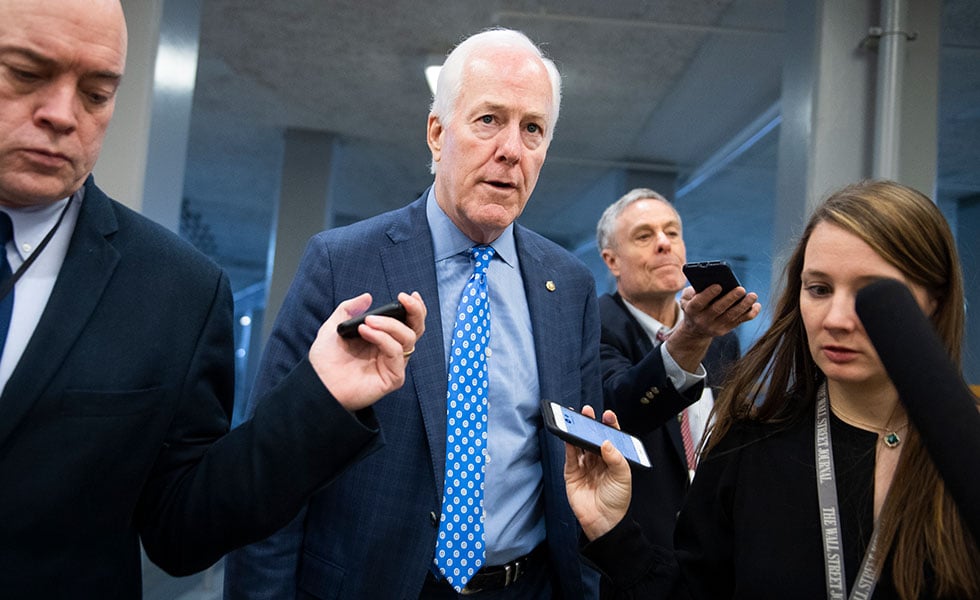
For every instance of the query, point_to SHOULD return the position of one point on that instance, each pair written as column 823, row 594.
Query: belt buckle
column 512, row 572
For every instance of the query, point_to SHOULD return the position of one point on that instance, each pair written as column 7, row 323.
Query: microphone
column 930, row 386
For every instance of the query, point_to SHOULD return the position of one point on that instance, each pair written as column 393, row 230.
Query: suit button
column 434, row 519
column 644, row 400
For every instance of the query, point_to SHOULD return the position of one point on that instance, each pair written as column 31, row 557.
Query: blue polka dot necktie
column 460, row 550
column 7, row 302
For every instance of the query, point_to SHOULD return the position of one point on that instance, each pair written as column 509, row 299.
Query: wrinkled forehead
column 649, row 211
column 66, row 31
column 511, row 74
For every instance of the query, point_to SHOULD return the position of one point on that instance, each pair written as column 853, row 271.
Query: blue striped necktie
column 460, row 548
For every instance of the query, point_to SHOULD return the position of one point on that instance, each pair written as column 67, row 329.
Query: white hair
column 607, row 222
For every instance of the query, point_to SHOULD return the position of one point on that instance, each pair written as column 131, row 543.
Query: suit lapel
column 88, row 266
column 543, row 303
column 543, row 288
column 409, row 265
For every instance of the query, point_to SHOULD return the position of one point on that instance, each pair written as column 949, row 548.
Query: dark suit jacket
column 110, row 423
column 635, row 385
column 372, row 532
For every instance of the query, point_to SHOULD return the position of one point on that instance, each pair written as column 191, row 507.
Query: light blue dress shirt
column 513, row 505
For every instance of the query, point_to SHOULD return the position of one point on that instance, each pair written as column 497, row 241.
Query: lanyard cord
column 9, row 284
column 867, row 579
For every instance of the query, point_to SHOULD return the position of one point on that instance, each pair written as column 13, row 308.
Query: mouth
column 500, row 185
column 47, row 158
column 839, row 353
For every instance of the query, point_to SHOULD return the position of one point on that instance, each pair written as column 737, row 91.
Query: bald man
column 116, row 373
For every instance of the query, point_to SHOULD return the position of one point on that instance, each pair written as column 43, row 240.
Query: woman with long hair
column 814, row 482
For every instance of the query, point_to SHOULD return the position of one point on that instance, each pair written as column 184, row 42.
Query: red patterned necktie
column 688, row 439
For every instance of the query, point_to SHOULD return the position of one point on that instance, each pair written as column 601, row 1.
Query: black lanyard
column 833, row 553
column 9, row 284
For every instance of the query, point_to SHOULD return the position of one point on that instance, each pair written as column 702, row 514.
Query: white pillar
column 825, row 135
column 144, row 155
column 303, row 211
column 829, row 121
column 918, row 149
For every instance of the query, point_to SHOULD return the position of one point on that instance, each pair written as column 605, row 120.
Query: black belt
column 500, row 576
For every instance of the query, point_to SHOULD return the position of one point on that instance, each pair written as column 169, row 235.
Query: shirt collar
column 650, row 325
column 448, row 240
column 32, row 223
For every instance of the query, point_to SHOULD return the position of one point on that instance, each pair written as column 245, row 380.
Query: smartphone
column 585, row 432
column 348, row 328
column 703, row 274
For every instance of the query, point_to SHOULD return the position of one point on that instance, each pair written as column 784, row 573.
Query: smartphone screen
column 582, row 431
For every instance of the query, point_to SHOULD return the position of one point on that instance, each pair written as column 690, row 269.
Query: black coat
column 113, row 423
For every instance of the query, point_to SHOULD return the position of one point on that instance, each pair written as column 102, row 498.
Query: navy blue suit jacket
column 372, row 532
column 635, row 385
column 112, row 424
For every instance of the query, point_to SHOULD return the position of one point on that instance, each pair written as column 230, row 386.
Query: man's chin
column 36, row 191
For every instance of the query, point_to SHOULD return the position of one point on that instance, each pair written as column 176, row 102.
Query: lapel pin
column 550, row 285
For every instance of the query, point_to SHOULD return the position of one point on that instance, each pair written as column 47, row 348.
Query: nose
column 663, row 242
column 57, row 107
column 841, row 316
column 511, row 146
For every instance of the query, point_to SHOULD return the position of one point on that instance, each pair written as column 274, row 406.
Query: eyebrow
column 497, row 107
column 673, row 222
column 863, row 279
column 49, row 63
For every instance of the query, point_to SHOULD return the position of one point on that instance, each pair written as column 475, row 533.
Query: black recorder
column 703, row 274
column 348, row 329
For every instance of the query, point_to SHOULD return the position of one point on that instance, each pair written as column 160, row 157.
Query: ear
column 609, row 257
column 930, row 305
column 433, row 137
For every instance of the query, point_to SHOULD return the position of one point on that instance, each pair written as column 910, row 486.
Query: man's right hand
column 359, row 371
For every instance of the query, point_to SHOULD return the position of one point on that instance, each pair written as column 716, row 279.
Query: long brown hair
column 777, row 379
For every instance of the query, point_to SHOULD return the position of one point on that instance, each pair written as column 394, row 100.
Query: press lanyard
column 833, row 555
column 9, row 284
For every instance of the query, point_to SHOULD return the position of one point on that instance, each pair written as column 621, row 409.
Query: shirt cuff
column 681, row 379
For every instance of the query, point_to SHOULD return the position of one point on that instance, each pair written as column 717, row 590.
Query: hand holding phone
column 703, row 274
column 584, row 432
column 348, row 329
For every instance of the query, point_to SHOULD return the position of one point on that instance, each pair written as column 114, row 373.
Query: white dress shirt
column 34, row 288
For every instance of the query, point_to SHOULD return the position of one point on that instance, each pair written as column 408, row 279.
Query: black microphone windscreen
column 906, row 342
column 929, row 385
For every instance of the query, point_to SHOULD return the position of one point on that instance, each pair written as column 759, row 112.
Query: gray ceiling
column 651, row 86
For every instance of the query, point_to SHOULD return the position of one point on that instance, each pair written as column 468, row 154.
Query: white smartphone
column 584, row 432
